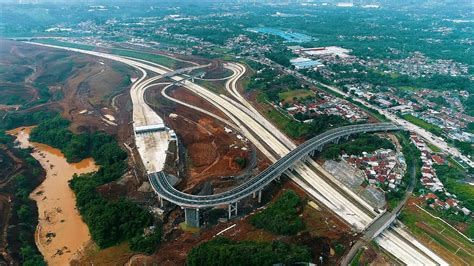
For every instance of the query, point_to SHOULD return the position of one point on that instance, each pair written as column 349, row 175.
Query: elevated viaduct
column 192, row 203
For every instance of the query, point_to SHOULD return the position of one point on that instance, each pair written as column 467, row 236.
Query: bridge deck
column 161, row 185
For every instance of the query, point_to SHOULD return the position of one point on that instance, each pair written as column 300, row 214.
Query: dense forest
column 26, row 210
column 281, row 217
column 24, row 217
column 222, row 251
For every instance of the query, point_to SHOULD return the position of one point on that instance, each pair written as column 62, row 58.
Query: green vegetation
column 281, row 217
column 413, row 162
column 146, row 243
column 412, row 157
column 14, row 73
column 270, row 83
column 14, row 120
column 12, row 100
column 280, row 55
column 110, row 222
column 155, row 58
column 289, row 96
column 378, row 78
column 421, row 123
column 221, row 251
column 280, row 119
column 242, row 162
column 100, row 146
column 65, row 44
column 455, row 163
column 469, row 105
column 465, row 147
column 4, row 138
column 319, row 124
column 433, row 147
column 27, row 212
column 356, row 259
column 470, row 127
column 452, row 179
column 366, row 142
column 424, row 225
column 275, row 88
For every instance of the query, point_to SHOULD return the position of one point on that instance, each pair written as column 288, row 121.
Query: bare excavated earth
column 210, row 152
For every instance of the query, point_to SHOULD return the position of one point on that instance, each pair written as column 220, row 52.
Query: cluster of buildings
column 438, row 197
column 418, row 65
column 287, row 36
column 384, row 167
column 305, row 63
column 321, row 51
column 448, row 115
column 327, row 104
column 313, row 57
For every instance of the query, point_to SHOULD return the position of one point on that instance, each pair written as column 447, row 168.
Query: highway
column 161, row 185
column 382, row 223
column 274, row 144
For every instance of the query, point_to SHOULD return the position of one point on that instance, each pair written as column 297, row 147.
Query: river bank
column 61, row 233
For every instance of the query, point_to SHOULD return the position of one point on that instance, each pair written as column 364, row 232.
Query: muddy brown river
column 61, row 233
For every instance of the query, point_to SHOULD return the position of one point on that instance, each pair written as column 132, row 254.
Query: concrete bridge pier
column 307, row 157
column 160, row 199
column 191, row 217
column 232, row 209
column 347, row 137
column 258, row 194
column 336, row 141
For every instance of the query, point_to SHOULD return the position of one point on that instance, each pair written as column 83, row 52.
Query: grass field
column 288, row 96
column 437, row 235
column 280, row 119
column 423, row 124
column 455, row 163
column 433, row 147
column 155, row 58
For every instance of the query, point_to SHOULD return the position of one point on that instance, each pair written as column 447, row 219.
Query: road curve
column 163, row 188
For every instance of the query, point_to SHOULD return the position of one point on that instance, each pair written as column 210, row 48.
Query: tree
column 281, row 217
